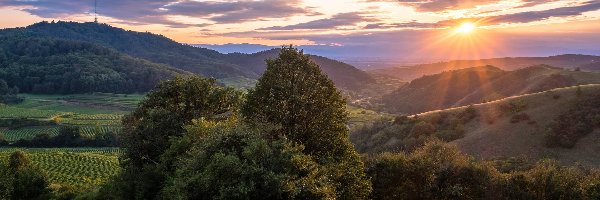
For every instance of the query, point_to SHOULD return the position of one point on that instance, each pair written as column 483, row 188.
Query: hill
column 479, row 84
column 228, row 68
column 506, row 138
column 569, row 61
column 513, row 127
column 43, row 65
column 344, row 75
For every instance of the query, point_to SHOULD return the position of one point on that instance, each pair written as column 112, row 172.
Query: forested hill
column 44, row 65
column 159, row 49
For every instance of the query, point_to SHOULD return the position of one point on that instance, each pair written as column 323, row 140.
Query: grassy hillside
column 479, row 84
column 494, row 135
column 569, row 61
column 513, row 127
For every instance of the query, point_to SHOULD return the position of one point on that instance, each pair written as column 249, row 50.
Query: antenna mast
column 95, row 11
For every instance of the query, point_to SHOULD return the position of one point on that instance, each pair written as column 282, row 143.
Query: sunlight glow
column 466, row 28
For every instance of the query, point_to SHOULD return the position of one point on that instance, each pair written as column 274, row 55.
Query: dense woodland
column 40, row 65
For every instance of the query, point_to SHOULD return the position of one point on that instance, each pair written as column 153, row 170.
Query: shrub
column 519, row 118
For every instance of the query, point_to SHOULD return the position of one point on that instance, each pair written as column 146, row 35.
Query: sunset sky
column 385, row 28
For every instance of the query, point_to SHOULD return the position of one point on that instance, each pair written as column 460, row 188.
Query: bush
column 578, row 121
column 519, row 118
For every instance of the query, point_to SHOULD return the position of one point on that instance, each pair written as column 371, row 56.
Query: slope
column 345, row 76
column 152, row 47
column 479, row 84
column 42, row 65
column 494, row 136
column 238, row 69
column 570, row 61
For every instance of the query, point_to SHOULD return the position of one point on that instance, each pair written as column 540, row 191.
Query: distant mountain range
column 570, row 61
column 159, row 50
column 479, row 84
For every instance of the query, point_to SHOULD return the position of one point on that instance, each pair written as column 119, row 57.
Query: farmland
column 94, row 114
column 78, row 167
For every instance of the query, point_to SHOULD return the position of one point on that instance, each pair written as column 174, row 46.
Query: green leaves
column 294, row 94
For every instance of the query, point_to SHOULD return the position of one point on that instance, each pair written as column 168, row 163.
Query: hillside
column 479, row 84
column 502, row 138
column 570, row 61
column 159, row 49
column 42, row 65
column 513, row 127
column 344, row 75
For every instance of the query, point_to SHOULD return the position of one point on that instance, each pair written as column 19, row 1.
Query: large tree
column 147, row 131
column 294, row 94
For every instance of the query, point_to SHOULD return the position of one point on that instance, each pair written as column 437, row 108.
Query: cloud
column 413, row 25
column 531, row 16
column 338, row 20
column 440, row 5
column 157, row 11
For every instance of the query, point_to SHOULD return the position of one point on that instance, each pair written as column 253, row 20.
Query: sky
column 391, row 29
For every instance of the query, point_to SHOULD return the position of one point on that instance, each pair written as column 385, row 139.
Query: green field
column 79, row 167
column 94, row 113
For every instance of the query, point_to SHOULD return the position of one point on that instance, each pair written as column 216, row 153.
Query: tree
column 294, row 94
column 233, row 161
column 21, row 180
column 148, row 130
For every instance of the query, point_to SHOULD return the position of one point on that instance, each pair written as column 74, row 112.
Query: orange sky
column 332, row 22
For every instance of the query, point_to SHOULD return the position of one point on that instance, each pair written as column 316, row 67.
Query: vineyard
column 29, row 132
column 16, row 112
column 79, row 167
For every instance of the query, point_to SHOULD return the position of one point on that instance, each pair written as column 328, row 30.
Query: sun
column 466, row 28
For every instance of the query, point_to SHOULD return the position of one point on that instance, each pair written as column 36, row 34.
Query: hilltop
column 163, row 51
column 479, row 84
column 569, row 61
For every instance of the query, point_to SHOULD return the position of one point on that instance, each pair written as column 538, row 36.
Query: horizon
column 389, row 30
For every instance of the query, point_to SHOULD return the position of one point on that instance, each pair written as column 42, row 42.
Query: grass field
column 79, row 167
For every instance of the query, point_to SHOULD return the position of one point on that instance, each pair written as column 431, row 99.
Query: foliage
column 579, row 120
column 22, row 180
column 7, row 94
column 440, row 171
column 161, row 116
column 42, row 65
column 228, row 161
column 434, row 171
column 406, row 133
column 293, row 93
